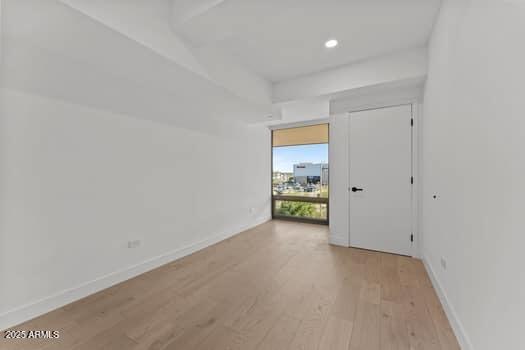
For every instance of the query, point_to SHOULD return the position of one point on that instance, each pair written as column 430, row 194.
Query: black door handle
column 355, row 189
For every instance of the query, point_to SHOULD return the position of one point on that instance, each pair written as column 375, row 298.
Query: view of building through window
column 301, row 170
column 300, row 179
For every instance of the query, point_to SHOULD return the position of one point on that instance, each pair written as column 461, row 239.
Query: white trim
column 417, row 247
column 52, row 302
column 392, row 96
column 338, row 240
column 416, row 143
column 379, row 106
column 455, row 323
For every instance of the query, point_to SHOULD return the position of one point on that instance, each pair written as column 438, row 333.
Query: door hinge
column 412, row 180
column 411, row 121
column 412, row 237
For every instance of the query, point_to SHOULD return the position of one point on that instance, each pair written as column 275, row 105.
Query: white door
column 380, row 174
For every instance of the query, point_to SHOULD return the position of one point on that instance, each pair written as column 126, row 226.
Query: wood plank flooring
column 277, row 286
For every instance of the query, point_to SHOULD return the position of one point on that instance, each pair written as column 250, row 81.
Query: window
column 300, row 173
column 296, row 209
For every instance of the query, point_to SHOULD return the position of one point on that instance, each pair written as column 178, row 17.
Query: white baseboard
column 455, row 323
column 339, row 241
column 29, row 311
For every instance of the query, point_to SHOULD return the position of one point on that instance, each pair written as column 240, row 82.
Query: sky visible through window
column 285, row 157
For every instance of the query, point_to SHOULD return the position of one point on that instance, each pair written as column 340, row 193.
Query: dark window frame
column 321, row 200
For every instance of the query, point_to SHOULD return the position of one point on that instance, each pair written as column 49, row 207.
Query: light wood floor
column 277, row 286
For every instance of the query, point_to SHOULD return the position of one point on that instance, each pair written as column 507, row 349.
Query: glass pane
column 301, row 209
column 301, row 170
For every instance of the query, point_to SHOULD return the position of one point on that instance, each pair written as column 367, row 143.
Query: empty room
column 262, row 174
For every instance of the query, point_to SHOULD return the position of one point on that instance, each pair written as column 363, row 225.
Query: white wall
column 150, row 23
column 300, row 111
column 56, row 51
column 80, row 175
column 77, row 183
column 405, row 65
column 338, row 160
column 474, row 161
column 146, row 22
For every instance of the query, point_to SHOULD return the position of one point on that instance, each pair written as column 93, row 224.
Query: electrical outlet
column 443, row 263
column 134, row 244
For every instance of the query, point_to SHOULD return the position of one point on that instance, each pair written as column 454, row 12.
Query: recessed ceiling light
column 331, row 43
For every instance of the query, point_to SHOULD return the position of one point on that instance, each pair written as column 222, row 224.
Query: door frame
column 415, row 250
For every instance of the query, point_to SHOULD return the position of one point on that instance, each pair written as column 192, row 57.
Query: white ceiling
column 282, row 39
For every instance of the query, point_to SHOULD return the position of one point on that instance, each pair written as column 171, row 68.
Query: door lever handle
column 355, row 189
